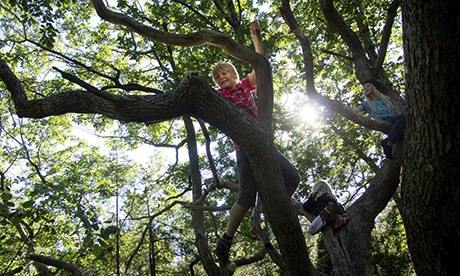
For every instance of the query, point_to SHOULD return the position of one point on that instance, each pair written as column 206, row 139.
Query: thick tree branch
column 263, row 235
column 336, row 22
column 125, row 108
column 380, row 190
column 13, row 271
column 69, row 267
column 237, row 50
column 195, row 39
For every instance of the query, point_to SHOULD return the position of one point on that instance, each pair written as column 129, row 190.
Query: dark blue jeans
column 398, row 124
column 247, row 195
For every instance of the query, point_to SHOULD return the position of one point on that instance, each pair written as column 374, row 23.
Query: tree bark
column 430, row 191
column 201, row 237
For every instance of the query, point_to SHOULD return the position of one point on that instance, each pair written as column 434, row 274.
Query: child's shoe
column 387, row 146
column 223, row 248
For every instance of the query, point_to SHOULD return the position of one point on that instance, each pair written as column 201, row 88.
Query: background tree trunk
column 430, row 191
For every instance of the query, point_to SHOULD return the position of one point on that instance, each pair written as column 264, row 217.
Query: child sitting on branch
column 379, row 107
column 323, row 204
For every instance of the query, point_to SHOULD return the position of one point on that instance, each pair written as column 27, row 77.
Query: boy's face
column 225, row 79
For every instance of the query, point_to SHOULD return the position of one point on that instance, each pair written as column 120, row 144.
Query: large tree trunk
column 430, row 189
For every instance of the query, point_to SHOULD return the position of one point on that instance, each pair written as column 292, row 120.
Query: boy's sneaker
column 387, row 146
column 223, row 249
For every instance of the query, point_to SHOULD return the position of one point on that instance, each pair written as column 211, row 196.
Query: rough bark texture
column 430, row 190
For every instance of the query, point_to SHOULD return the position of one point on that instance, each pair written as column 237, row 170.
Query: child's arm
column 257, row 40
column 358, row 109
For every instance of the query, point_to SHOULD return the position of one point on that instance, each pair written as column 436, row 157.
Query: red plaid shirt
column 241, row 95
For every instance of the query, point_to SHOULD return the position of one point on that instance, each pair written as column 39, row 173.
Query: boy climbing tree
column 239, row 92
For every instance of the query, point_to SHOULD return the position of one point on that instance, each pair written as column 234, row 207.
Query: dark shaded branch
column 336, row 54
column 380, row 190
column 195, row 39
column 391, row 14
column 201, row 238
column 230, row 17
column 195, row 11
column 212, row 165
column 307, row 54
column 232, row 186
column 12, row 84
column 336, row 22
column 264, row 236
column 13, row 271
column 365, row 33
column 69, row 267
column 125, row 108
column 87, row 86
column 192, row 264
column 138, row 246
column 258, row 256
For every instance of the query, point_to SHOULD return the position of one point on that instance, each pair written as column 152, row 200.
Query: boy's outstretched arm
column 254, row 28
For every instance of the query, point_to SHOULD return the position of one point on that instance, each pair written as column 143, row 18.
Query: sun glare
column 309, row 115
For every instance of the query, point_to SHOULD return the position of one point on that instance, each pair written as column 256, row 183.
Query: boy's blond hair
column 224, row 67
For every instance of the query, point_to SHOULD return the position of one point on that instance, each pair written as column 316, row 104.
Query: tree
column 429, row 189
column 107, row 87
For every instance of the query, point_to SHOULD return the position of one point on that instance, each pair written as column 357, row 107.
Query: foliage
column 390, row 252
column 64, row 187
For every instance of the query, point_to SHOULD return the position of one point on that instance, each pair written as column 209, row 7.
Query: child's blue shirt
column 382, row 112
